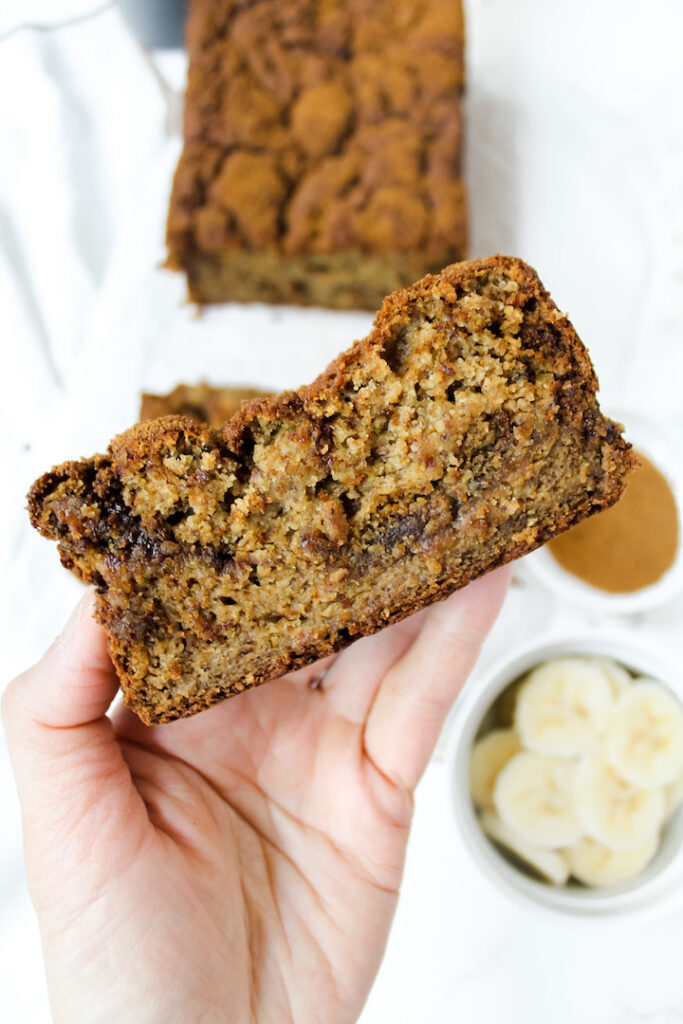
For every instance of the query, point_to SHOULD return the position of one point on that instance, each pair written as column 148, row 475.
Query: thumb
column 67, row 763
column 70, row 688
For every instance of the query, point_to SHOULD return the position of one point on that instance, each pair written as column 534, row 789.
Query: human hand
column 242, row 865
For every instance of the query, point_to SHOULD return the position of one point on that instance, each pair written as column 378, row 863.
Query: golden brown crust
column 460, row 434
column 322, row 156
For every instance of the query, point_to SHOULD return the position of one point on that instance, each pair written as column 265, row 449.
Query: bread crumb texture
column 461, row 433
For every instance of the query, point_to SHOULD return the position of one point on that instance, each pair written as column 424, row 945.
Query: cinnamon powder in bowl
column 628, row 558
column 629, row 546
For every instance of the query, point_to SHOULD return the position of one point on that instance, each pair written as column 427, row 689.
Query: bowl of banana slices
column 566, row 775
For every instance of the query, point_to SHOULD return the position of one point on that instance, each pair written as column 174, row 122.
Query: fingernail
column 73, row 623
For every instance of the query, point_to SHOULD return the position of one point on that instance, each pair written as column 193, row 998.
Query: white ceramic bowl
column 659, row 887
column 663, row 448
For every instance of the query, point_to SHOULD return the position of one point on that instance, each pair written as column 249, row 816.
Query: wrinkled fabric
column 574, row 163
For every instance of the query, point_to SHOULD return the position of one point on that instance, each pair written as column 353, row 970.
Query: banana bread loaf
column 461, row 433
column 322, row 153
column 201, row 402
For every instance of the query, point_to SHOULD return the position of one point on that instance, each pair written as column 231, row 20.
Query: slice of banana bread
column 202, row 402
column 461, row 433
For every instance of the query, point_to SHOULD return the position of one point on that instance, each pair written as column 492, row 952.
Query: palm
column 287, row 845
column 262, row 813
column 257, row 848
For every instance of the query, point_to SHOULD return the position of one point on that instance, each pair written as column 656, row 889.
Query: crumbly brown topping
column 317, row 127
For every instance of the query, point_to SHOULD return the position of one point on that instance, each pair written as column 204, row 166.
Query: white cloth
column 574, row 162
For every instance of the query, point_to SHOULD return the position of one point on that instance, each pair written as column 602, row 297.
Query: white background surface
column 575, row 163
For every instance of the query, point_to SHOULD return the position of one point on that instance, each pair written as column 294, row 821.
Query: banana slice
column 597, row 865
column 673, row 795
column 645, row 738
column 550, row 864
column 488, row 757
column 611, row 810
column 533, row 795
column 562, row 707
column 617, row 676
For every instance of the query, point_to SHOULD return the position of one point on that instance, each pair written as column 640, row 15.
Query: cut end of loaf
column 202, row 402
column 462, row 433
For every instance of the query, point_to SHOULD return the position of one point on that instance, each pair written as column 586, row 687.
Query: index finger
column 417, row 692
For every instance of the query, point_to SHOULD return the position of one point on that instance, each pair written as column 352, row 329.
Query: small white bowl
column 663, row 449
column 659, row 887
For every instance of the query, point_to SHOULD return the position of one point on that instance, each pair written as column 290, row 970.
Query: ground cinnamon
column 630, row 545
